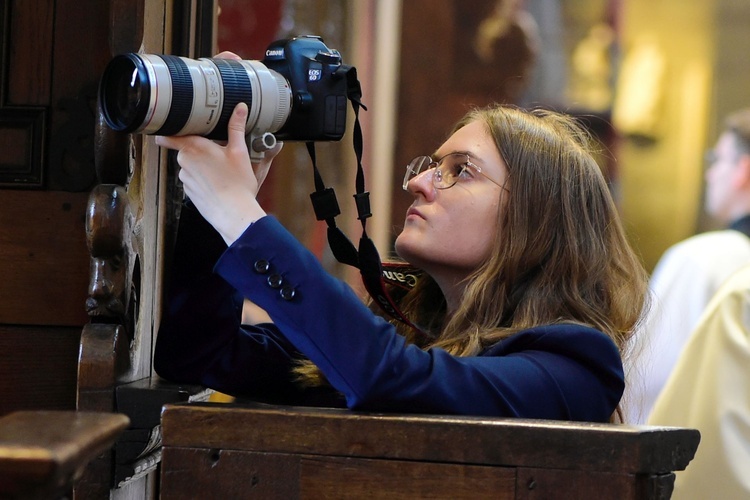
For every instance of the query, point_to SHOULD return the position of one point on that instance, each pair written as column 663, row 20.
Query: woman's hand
column 228, row 55
column 220, row 179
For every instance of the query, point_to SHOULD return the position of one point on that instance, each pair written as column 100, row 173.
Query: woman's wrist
column 232, row 228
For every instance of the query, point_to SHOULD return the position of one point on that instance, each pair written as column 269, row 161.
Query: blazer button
column 275, row 281
column 262, row 266
column 287, row 292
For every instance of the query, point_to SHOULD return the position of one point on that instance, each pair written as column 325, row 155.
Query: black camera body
column 319, row 88
column 298, row 92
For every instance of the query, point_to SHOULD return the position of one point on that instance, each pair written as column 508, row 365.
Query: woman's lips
column 413, row 212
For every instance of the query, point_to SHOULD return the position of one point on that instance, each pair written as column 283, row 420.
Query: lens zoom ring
column 236, row 87
column 182, row 96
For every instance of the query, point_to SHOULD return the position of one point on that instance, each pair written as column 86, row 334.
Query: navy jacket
column 562, row 371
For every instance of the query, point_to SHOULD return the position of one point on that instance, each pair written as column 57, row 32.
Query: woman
column 530, row 289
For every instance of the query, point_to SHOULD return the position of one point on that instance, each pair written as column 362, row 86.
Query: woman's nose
column 422, row 183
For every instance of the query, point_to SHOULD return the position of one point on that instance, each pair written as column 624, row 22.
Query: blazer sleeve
column 201, row 340
column 538, row 375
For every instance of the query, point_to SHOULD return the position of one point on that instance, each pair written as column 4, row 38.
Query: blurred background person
column 691, row 271
column 709, row 390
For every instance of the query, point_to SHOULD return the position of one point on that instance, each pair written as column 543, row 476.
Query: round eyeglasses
column 448, row 170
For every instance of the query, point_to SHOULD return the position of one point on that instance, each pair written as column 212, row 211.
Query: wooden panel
column 228, row 474
column 81, row 35
column 236, row 474
column 25, row 83
column 328, row 477
column 474, row 440
column 22, row 138
column 81, row 39
column 295, row 452
column 548, row 483
column 43, row 258
column 30, row 53
column 38, row 368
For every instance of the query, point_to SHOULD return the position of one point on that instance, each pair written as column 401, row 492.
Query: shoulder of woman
column 572, row 337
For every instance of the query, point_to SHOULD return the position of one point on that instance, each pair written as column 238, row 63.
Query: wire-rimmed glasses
column 447, row 170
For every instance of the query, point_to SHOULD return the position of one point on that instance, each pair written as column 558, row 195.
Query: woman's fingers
column 236, row 129
column 261, row 168
column 228, row 55
column 223, row 164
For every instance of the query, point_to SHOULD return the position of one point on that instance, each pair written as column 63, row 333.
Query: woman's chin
column 402, row 246
column 408, row 249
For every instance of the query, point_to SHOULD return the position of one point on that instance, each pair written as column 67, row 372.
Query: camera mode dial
column 328, row 57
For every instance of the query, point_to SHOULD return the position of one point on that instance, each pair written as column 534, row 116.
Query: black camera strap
column 366, row 258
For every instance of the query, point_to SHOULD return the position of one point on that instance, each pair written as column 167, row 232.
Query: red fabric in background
column 247, row 27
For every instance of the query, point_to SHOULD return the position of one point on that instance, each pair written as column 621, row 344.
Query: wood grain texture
column 264, row 451
column 474, row 440
column 38, row 368
column 332, row 477
column 31, row 53
column 43, row 258
column 42, row 453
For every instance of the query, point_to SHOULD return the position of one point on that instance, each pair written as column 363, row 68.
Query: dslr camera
column 298, row 92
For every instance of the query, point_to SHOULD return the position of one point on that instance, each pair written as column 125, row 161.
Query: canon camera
column 298, row 92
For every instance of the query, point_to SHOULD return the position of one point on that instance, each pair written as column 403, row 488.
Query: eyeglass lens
column 446, row 173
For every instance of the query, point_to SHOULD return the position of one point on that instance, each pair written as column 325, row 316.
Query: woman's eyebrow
column 470, row 154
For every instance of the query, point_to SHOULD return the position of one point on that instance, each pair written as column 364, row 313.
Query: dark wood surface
column 43, row 258
column 38, row 368
column 52, row 54
column 42, row 453
column 302, row 451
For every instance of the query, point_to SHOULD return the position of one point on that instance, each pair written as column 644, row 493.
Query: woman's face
column 450, row 232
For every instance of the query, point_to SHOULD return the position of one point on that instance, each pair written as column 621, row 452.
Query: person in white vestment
column 709, row 390
column 690, row 272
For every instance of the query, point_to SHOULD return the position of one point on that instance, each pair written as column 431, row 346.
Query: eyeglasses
column 447, row 170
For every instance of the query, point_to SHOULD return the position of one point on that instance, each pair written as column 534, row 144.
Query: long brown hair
column 561, row 252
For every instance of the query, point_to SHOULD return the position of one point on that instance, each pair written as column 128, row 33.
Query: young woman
column 529, row 292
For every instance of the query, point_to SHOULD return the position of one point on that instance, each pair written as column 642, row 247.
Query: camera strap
column 375, row 275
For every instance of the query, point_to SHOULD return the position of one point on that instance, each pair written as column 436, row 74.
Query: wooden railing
column 43, row 453
column 245, row 451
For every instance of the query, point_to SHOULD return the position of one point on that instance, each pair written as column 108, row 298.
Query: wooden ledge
column 469, row 440
column 43, row 452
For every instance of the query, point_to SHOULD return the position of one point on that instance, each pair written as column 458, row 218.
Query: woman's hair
column 561, row 254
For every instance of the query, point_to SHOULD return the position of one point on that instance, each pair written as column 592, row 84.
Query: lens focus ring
column 182, row 96
column 236, row 87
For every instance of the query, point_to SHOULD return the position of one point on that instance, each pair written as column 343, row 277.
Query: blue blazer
column 560, row 371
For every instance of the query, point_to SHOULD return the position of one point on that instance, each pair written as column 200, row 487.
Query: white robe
column 686, row 277
column 709, row 390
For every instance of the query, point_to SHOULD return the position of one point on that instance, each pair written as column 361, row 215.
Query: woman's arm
column 200, row 340
column 571, row 372
column 360, row 354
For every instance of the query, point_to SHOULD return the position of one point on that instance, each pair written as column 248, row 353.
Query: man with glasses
column 690, row 272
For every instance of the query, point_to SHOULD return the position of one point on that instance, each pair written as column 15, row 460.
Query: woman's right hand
column 221, row 180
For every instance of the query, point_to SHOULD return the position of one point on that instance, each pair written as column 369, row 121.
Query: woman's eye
column 462, row 170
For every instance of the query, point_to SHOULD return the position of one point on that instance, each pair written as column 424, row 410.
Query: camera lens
column 125, row 93
column 171, row 95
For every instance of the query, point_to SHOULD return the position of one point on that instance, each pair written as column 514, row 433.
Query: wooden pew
column 263, row 451
column 42, row 453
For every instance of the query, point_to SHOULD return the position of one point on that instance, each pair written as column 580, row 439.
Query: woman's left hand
column 220, row 179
